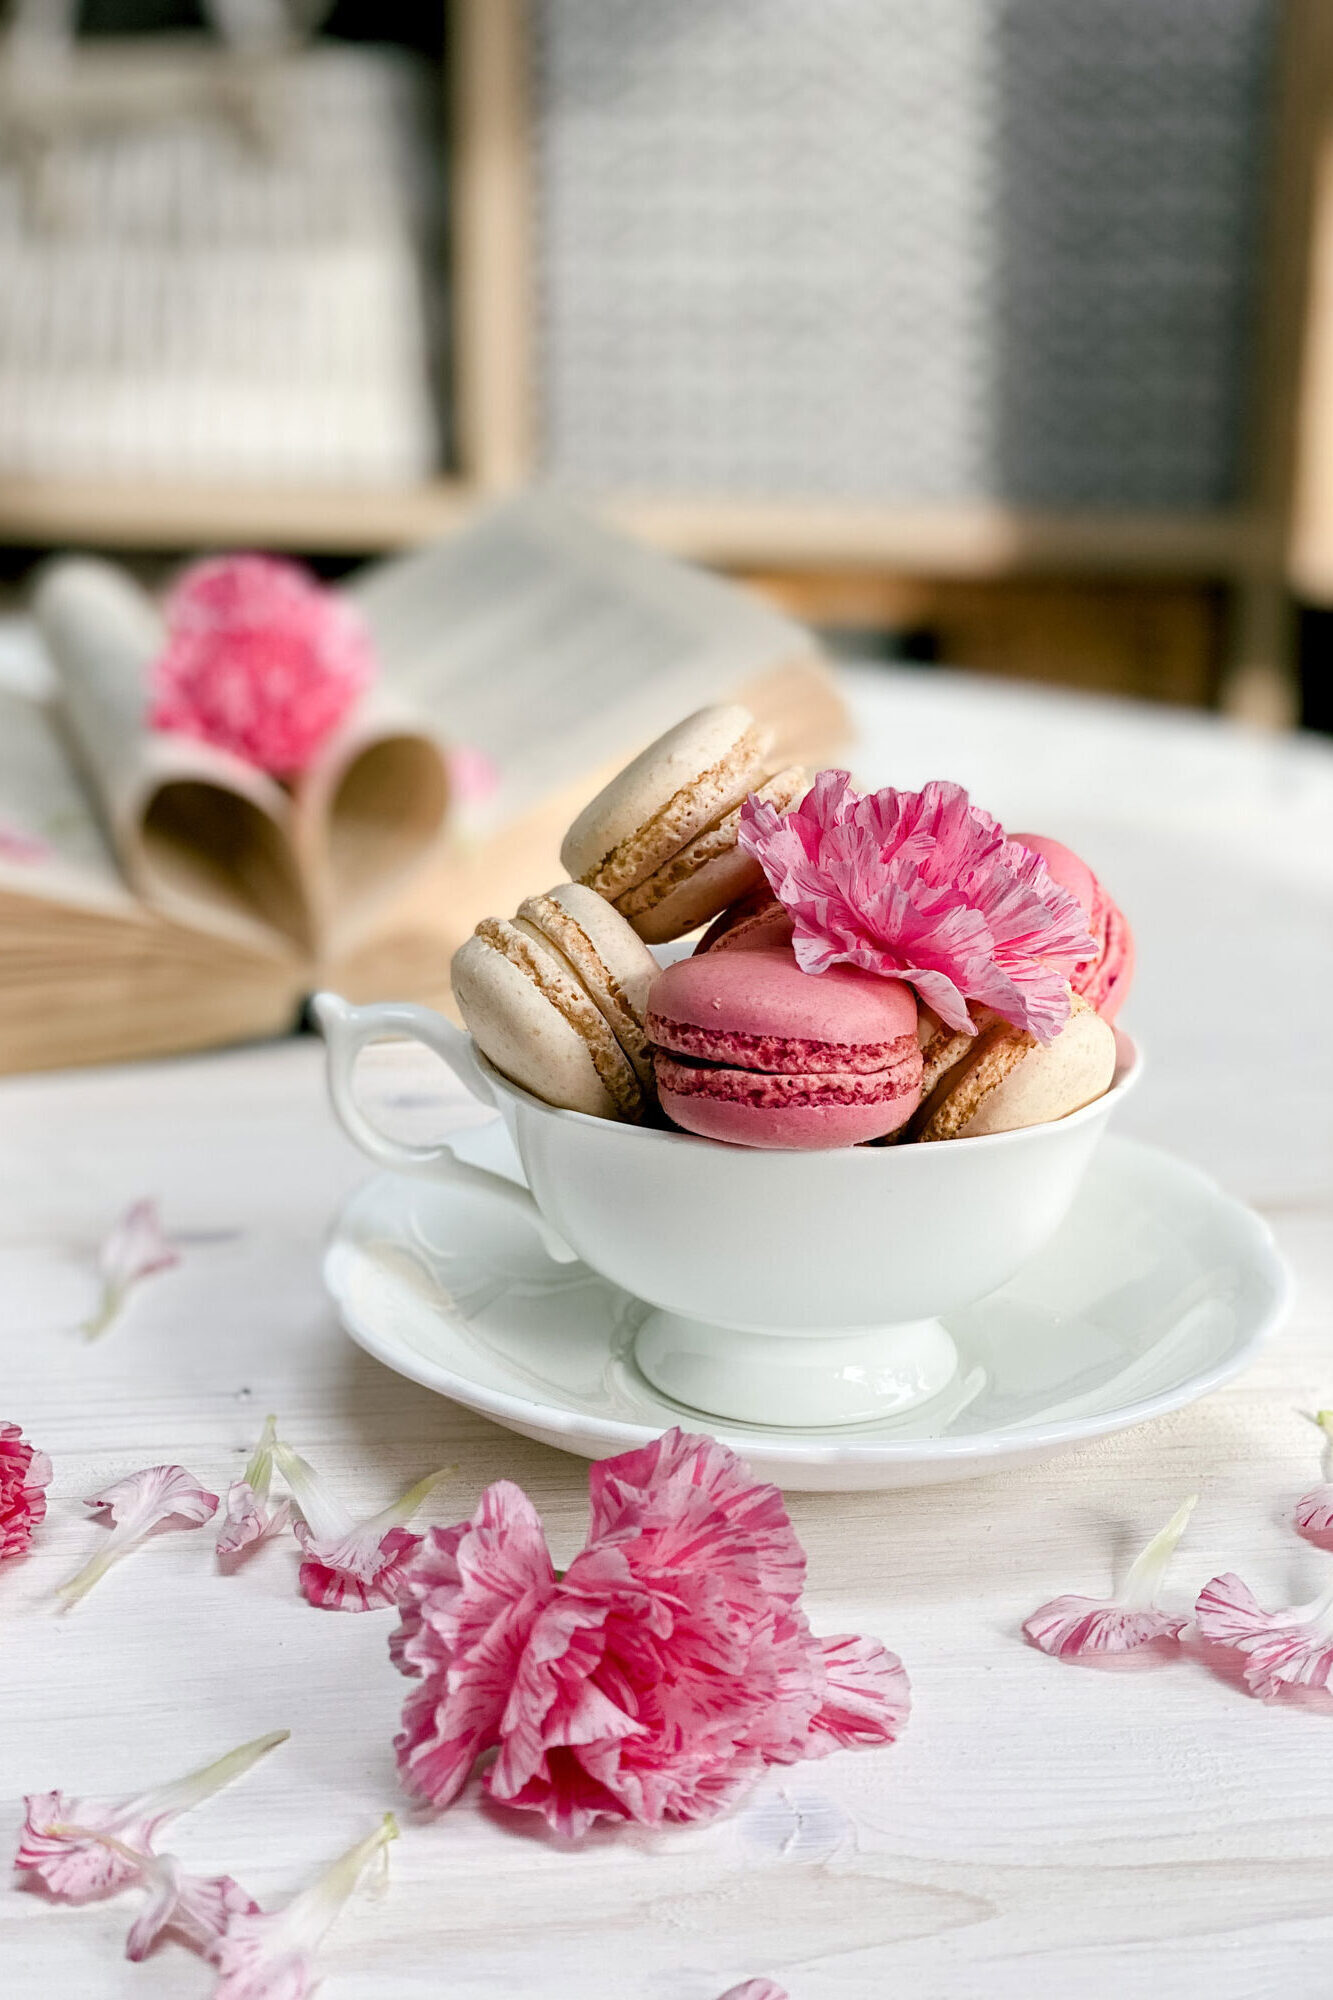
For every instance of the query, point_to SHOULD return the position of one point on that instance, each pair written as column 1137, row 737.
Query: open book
column 157, row 894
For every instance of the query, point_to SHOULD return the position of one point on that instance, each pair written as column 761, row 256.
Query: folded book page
column 206, row 837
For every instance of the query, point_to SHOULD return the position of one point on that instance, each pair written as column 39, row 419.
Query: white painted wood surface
column 1039, row 1827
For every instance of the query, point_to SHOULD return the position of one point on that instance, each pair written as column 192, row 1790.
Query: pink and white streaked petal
column 1292, row 1648
column 194, row 1908
column 25, row 1475
column 134, row 1249
column 332, row 1588
column 651, row 1487
column 157, row 1496
column 469, row 1599
column 250, row 1520
column 1313, row 1513
column 922, row 886
column 252, row 1965
column 58, row 1844
column 1076, row 1628
column 756, row 1989
column 867, row 1696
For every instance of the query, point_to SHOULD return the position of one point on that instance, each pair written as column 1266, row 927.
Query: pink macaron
column 753, row 1051
column 1103, row 980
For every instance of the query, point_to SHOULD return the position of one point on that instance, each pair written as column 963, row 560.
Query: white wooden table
column 1039, row 1827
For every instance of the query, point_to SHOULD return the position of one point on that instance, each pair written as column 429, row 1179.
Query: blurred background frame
column 1212, row 594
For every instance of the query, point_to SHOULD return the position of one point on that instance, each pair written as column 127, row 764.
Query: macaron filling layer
column 779, row 1055
column 717, row 839
column 555, row 926
column 685, row 1077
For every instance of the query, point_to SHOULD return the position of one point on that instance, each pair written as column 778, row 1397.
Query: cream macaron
column 556, row 1000
column 1003, row 1079
column 660, row 841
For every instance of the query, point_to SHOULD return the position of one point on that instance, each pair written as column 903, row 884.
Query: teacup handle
column 347, row 1030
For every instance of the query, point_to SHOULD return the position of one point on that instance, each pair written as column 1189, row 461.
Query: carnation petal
column 756, row 1989
column 1075, row 1628
column 867, row 1697
column 158, row 1496
column 251, row 1518
column 196, row 1908
column 469, row 1597
column 260, row 659
column 1292, row 1648
column 1072, row 1628
column 25, row 1475
column 86, row 1847
column 922, row 886
column 134, row 1250
column 351, row 1565
column 270, row 1954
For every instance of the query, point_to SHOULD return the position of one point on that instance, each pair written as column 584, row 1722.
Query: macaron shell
column 605, row 954
column 1053, row 1079
column 668, row 794
column 765, row 993
column 504, row 995
column 1104, row 980
column 753, row 921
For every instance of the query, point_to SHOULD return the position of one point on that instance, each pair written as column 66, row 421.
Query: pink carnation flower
column 25, row 1475
column 260, row 659
column 923, row 886
column 658, row 1677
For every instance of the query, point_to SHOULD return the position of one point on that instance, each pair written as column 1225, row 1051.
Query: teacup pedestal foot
column 842, row 1376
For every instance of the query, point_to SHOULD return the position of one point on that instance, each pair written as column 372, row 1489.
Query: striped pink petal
column 1086, row 1628
column 134, row 1250
column 1292, row 1648
column 350, row 1565
column 1313, row 1513
column 270, row 1954
column 25, row 1475
column 81, row 1848
column 251, row 1517
column 159, row 1496
column 194, row 1908
column 756, row 1989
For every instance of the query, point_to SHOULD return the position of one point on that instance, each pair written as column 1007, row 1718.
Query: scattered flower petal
column 194, row 1908
column 352, row 1565
column 1291, row 1648
column 251, row 1518
column 756, row 1989
column 1314, row 1510
column 1076, row 1628
column 17, row 844
column 270, row 1954
column 472, row 774
column 923, row 886
column 78, row 1847
column 134, row 1250
column 159, row 1496
column 24, row 1476
column 261, row 659
column 658, row 1677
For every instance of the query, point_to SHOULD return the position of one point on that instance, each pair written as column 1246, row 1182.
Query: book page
column 553, row 645
column 199, row 835
column 52, row 847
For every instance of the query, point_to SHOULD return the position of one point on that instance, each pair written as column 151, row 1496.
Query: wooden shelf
column 963, row 541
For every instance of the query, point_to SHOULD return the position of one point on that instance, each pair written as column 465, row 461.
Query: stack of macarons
column 737, row 1043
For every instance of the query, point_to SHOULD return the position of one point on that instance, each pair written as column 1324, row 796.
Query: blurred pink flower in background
column 260, row 659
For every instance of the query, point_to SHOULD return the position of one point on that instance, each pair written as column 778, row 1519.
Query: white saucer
column 1157, row 1288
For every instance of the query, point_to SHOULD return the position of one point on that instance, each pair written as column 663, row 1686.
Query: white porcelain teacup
column 786, row 1287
